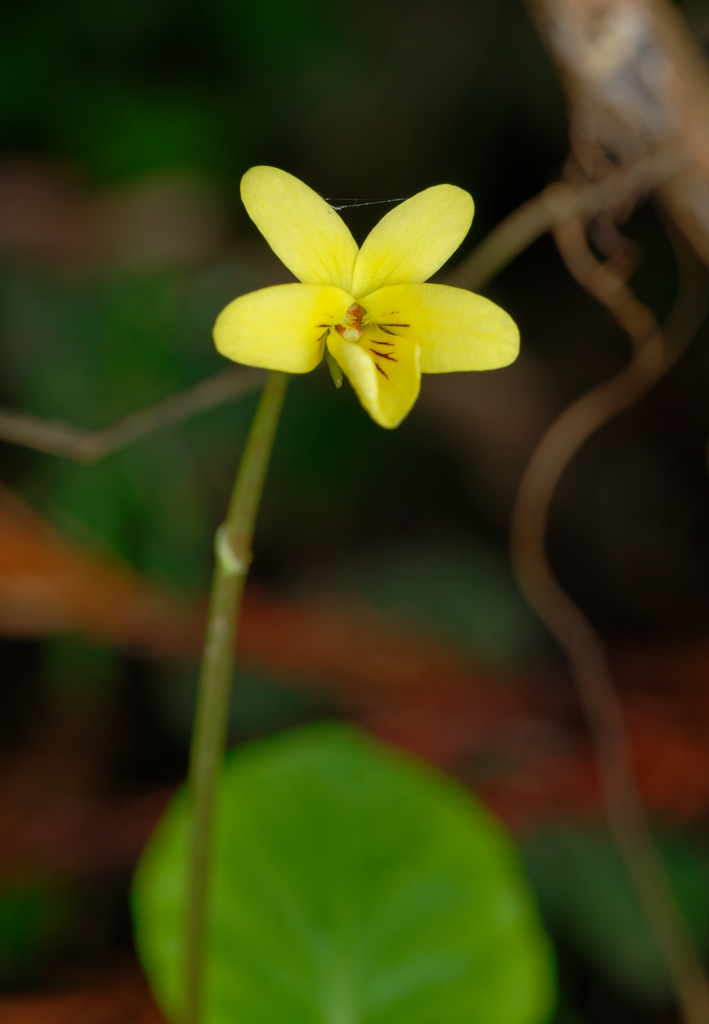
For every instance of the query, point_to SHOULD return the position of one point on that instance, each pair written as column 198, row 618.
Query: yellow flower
column 379, row 321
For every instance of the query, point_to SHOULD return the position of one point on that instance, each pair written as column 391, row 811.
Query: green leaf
column 351, row 885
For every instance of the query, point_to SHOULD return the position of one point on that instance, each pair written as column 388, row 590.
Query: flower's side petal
column 280, row 328
column 308, row 235
column 414, row 239
column 456, row 329
column 387, row 392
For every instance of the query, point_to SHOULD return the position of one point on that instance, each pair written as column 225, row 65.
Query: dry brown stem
column 584, row 648
column 558, row 203
column 637, row 86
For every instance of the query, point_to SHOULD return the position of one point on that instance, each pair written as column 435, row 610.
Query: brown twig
column 559, row 203
column 57, row 438
column 637, row 85
column 584, row 648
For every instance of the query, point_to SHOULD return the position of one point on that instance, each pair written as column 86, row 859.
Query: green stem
column 233, row 557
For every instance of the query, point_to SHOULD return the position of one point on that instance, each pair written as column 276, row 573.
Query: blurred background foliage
column 124, row 130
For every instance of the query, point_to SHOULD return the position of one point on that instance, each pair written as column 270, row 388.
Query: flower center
column 350, row 327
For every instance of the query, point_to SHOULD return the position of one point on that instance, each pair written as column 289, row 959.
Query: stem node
column 227, row 559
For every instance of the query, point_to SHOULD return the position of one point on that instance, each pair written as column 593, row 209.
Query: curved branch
column 559, row 203
column 584, row 648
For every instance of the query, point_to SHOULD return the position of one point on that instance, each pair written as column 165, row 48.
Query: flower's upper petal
column 308, row 235
column 386, row 377
column 280, row 328
column 414, row 239
column 456, row 329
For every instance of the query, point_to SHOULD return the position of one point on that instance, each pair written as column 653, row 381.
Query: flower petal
column 280, row 328
column 387, row 378
column 304, row 232
column 414, row 239
column 456, row 329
